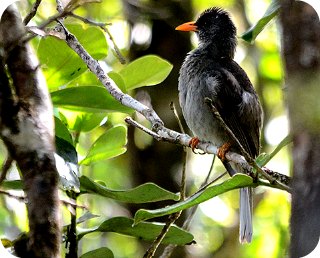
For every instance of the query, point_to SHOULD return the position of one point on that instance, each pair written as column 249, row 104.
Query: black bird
column 209, row 71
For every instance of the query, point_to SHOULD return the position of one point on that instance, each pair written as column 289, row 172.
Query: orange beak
column 188, row 26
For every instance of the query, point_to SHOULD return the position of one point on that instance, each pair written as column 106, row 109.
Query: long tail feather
column 245, row 231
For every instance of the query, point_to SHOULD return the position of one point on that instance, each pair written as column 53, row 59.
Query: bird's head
column 213, row 27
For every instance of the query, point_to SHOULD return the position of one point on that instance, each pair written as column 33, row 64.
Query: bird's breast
column 199, row 118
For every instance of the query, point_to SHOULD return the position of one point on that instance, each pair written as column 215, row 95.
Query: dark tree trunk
column 301, row 53
column 160, row 162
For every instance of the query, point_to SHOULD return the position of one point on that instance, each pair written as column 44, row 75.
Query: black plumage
column 210, row 71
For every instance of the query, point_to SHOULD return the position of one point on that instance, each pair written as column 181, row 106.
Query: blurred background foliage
column 147, row 27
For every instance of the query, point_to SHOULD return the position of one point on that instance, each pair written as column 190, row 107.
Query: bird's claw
column 193, row 144
column 223, row 150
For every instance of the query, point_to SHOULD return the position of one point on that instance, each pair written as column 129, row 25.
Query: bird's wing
column 239, row 107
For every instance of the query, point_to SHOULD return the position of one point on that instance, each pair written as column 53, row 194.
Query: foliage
column 91, row 134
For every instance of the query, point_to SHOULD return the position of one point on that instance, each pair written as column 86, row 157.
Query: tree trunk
column 27, row 129
column 301, row 53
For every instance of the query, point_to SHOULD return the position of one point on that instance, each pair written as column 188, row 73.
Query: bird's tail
column 245, row 231
column 245, row 206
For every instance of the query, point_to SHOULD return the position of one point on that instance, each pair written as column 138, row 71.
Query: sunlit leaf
column 62, row 131
column 117, row 78
column 251, row 34
column 99, row 253
column 264, row 158
column 87, row 99
column 145, row 230
column 82, row 121
column 109, row 145
column 145, row 71
column 237, row 181
column 61, row 64
column 148, row 192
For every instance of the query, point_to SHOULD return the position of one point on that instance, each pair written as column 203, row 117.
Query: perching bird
column 209, row 71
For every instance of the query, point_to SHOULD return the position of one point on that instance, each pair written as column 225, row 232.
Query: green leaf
column 145, row 230
column 237, row 181
column 117, row 78
column 62, row 131
column 107, row 146
column 145, row 71
column 82, row 121
column 99, row 253
column 61, row 64
column 264, row 158
column 87, row 99
column 148, row 192
column 251, row 34
column 12, row 184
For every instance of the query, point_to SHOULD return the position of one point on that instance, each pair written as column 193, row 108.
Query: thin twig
column 102, row 25
column 88, row 21
column 134, row 123
column 5, row 168
column 17, row 197
column 73, row 204
column 175, row 113
column 172, row 218
column 32, row 13
column 51, row 19
column 183, row 175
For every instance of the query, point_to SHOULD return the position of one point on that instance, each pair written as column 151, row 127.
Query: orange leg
column 193, row 143
column 223, row 150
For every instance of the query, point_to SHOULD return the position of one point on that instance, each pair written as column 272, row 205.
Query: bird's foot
column 223, row 150
column 193, row 144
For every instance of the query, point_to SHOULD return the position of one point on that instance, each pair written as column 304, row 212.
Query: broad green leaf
column 87, row 99
column 264, row 158
column 107, row 146
column 61, row 64
column 145, row 71
column 251, row 34
column 12, row 184
column 237, row 181
column 102, row 252
column 62, row 131
column 145, row 230
column 117, row 78
column 82, row 121
column 148, row 192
